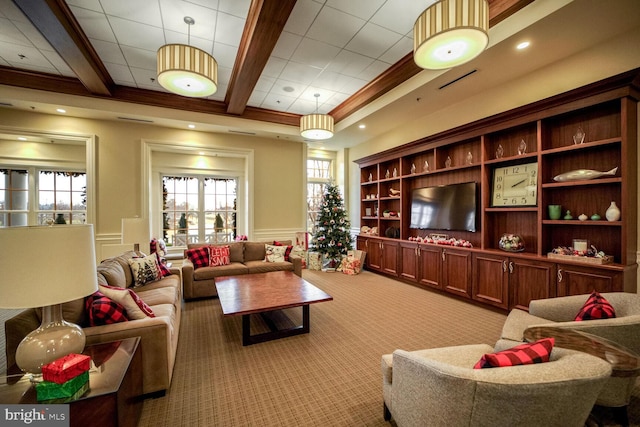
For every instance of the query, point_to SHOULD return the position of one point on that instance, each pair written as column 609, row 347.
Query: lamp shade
column 43, row 266
column 450, row 33
column 135, row 231
column 316, row 126
column 187, row 70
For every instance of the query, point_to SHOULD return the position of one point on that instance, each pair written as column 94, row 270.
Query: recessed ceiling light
column 22, row 138
column 201, row 153
column 288, row 89
column 362, row 126
column 61, row 110
column 523, row 45
column 191, row 126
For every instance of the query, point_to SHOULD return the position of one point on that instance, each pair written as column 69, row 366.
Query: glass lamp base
column 53, row 339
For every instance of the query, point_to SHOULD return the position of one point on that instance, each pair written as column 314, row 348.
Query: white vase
column 612, row 213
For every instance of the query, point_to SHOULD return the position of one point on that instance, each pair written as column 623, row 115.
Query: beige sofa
column 159, row 334
column 246, row 258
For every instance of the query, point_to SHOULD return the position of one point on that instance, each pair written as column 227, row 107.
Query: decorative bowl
column 511, row 243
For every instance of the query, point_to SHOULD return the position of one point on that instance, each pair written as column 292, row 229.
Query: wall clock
column 515, row 185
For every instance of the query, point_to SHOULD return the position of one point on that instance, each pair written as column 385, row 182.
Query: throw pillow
column 274, row 253
column 164, row 271
column 145, row 270
column 199, row 257
column 219, row 255
column 523, row 354
column 287, row 252
column 133, row 305
column 103, row 311
column 596, row 307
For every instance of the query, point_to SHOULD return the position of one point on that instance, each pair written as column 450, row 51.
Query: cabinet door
column 389, row 258
column 409, row 261
column 491, row 279
column 373, row 249
column 456, row 272
column 529, row 280
column 430, row 266
column 574, row 280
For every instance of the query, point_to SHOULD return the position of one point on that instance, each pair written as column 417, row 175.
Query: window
column 198, row 209
column 57, row 195
column 318, row 174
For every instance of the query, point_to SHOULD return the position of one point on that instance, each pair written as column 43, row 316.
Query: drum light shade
column 187, row 70
column 316, row 126
column 450, row 33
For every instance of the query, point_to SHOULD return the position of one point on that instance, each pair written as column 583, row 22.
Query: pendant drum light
column 316, row 126
column 450, row 33
column 187, row 70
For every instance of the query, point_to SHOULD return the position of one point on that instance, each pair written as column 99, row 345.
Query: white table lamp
column 45, row 267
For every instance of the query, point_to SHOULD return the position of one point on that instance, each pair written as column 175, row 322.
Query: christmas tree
column 332, row 238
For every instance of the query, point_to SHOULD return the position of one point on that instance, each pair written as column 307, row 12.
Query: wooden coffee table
column 264, row 293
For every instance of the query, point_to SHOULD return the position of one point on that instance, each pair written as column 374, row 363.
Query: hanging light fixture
column 187, row 70
column 450, row 33
column 316, row 126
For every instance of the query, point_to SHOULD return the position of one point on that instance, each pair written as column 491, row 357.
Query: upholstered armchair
column 439, row 387
column 623, row 330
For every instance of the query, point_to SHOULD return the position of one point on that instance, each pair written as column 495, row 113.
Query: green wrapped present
column 48, row 390
column 77, row 395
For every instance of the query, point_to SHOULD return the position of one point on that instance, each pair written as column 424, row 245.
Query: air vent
column 458, row 79
column 135, row 120
column 241, row 132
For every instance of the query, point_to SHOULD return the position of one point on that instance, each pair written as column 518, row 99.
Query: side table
column 115, row 387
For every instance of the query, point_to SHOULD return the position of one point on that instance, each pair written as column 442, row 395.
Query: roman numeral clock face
column 515, row 185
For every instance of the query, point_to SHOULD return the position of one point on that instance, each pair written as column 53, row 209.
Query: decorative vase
column 60, row 219
column 612, row 213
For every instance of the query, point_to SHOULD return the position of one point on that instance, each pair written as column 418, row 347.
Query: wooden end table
column 263, row 293
column 115, row 387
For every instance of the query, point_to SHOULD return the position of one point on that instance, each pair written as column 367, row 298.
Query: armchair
column 623, row 330
column 439, row 387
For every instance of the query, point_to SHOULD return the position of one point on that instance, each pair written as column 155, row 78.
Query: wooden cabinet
column 594, row 128
column 382, row 254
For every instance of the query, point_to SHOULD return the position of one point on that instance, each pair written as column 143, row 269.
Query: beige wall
column 277, row 175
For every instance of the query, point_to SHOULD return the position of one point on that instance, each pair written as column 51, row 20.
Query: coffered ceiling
column 273, row 55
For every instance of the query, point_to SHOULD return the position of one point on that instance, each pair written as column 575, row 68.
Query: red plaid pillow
column 134, row 307
column 164, row 271
column 219, row 255
column 286, row 252
column 199, row 257
column 523, row 354
column 103, row 311
column 596, row 307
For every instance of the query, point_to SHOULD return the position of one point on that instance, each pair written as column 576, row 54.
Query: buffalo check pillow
column 523, row 354
column 103, row 311
column 219, row 255
column 596, row 307
column 199, row 257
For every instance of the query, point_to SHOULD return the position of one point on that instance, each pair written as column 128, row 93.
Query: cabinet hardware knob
column 559, row 275
column 504, row 266
column 444, row 255
column 510, row 267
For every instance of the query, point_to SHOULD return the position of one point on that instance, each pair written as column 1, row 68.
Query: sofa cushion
column 523, row 354
column 266, row 267
column 102, row 310
column 236, row 250
column 254, row 251
column 219, row 255
column 596, row 307
column 199, row 257
column 164, row 295
column 113, row 272
column 233, row 269
column 123, row 260
column 145, row 270
column 133, row 305
column 275, row 253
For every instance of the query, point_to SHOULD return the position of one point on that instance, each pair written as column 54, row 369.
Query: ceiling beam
column 263, row 27
column 56, row 23
column 406, row 68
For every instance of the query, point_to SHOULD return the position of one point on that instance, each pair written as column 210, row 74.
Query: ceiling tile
column 277, row 102
column 56, row 61
column 363, row 9
column 274, row 67
column 95, row 25
column 130, row 33
column 301, row 73
column 145, row 78
column 225, row 55
column 290, row 89
column 373, row 40
column 314, row 53
column 9, row 33
column 108, row 52
column 121, row 74
column 174, row 12
column 256, row 98
column 145, row 13
column 265, row 83
column 286, row 45
column 349, row 63
column 140, row 58
column 24, row 56
column 397, row 51
column 87, row 4
column 239, row 8
column 229, row 29
column 302, row 16
column 31, row 34
column 374, row 70
column 400, row 15
column 334, row 27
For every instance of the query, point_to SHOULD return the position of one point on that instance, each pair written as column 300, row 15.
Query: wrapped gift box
column 48, row 390
column 77, row 395
column 315, row 261
column 67, row 367
column 302, row 253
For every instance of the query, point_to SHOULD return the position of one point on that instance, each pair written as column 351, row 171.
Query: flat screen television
column 446, row 207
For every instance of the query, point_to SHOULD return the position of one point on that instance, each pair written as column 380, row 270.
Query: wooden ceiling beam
column 56, row 23
column 263, row 27
column 406, row 68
